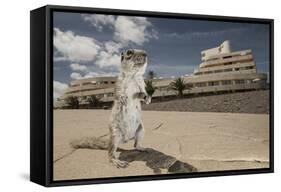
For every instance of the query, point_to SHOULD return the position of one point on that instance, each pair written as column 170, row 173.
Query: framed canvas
column 120, row 95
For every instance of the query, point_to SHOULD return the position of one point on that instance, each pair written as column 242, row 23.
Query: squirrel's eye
column 130, row 52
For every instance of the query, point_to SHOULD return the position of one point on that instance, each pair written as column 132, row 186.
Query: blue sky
column 87, row 45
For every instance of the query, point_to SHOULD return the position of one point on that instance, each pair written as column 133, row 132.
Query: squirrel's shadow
column 156, row 160
column 153, row 159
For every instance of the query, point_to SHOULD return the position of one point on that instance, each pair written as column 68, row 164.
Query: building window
column 249, row 67
column 249, row 81
column 228, row 63
column 227, row 70
column 226, row 57
column 100, row 95
column 162, row 88
column 240, row 81
column 213, row 59
column 200, row 84
column 236, row 69
column 109, row 94
column 76, row 85
column 226, row 82
column 208, row 72
column 213, row 83
column 189, row 85
column 112, row 82
column 87, row 83
column 218, row 71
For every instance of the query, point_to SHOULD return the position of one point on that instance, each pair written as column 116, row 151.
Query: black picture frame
column 41, row 99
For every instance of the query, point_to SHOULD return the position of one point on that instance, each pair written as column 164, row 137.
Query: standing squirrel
column 126, row 122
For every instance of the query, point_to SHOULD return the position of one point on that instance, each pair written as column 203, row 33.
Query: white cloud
column 205, row 34
column 59, row 58
column 132, row 29
column 78, row 67
column 126, row 29
column 74, row 47
column 59, row 89
column 99, row 21
column 79, row 48
column 75, row 75
column 112, row 47
column 106, row 59
column 98, row 74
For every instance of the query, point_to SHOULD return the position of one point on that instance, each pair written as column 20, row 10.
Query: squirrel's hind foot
column 119, row 164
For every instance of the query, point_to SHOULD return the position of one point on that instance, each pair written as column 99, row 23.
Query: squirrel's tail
column 90, row 143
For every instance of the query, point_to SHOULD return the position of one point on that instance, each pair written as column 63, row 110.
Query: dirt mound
column 242, row 102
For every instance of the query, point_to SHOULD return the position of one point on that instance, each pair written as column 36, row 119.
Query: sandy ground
column 206, row 141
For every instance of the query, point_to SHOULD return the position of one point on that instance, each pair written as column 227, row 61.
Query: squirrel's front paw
column 123, row 100
column 147, row 99
column 141, row 95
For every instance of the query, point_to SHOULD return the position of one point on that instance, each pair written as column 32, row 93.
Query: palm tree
column 179, row 86
column 73, row 102
column 93, row 101
column 151, row 74
column 150, row 88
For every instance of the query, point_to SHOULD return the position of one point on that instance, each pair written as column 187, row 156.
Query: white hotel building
column 221, row 70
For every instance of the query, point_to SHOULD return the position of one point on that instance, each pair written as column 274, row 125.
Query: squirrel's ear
column 122, row 56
